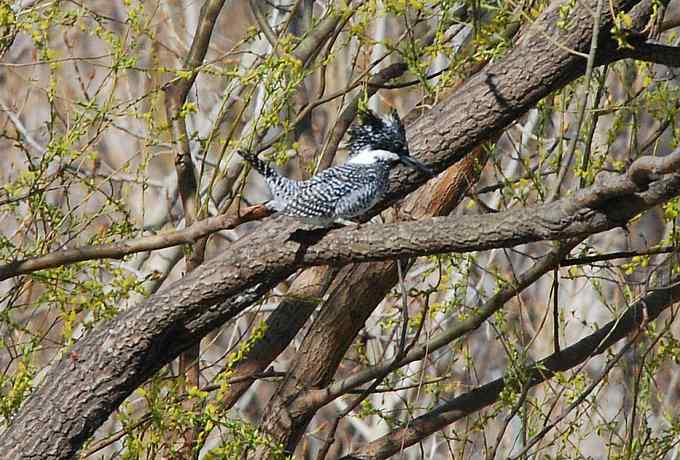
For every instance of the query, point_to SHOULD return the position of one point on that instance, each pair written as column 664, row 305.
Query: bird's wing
column 330, row 193
column 357, row 201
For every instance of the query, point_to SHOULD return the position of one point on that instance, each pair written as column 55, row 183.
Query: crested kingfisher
column 377, row 144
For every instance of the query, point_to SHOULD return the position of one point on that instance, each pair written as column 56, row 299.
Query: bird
column 377, row 144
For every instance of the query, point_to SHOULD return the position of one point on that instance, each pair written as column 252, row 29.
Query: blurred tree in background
column 520, row 304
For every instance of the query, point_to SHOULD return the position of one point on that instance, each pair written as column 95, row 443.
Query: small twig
column 593, row 126
column 104, row 443
column 404, row 309
column 616, row 255
column 636, row 391
column 402, row 388
column 515, row 409
column 96, row 447
column 264, row 26
column 148, row 243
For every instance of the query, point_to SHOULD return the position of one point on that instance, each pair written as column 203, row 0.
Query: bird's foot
column 346, row 222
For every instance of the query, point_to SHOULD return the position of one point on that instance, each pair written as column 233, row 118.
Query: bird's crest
column 378, row 133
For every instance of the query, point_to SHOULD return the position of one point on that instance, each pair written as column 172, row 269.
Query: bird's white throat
column 369, row 157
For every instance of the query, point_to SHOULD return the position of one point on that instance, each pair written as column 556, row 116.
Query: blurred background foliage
column 88, row 159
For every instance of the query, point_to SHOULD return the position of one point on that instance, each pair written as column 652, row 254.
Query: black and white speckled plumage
column 281, row 187
column 349, row 190
column 337, row 193
column 378, row 133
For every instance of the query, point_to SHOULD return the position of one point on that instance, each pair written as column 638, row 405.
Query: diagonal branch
column 119, row 250
column 495, row 97
column 656, row 53
column 452, row 332
column 645, row 309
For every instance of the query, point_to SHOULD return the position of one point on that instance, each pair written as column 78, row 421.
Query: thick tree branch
column 657, row 53
column 308, row 48
column 117, row 250
column 495, row 97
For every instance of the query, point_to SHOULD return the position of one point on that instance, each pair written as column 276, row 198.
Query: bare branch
column 119, row 250
column 262, row 23
column 617, row 255
column 318, row 36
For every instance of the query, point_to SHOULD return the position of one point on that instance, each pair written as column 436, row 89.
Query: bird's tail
column 260, row 166
column 282, row 188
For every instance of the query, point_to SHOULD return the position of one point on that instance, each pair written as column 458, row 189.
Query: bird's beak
column 415, row 164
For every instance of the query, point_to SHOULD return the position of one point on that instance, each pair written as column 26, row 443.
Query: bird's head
column 376, row 138
column 375, row 132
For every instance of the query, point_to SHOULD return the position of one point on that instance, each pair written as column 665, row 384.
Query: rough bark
column 497, row 96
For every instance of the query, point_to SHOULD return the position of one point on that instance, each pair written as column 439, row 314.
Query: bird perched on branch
column 377, row 145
